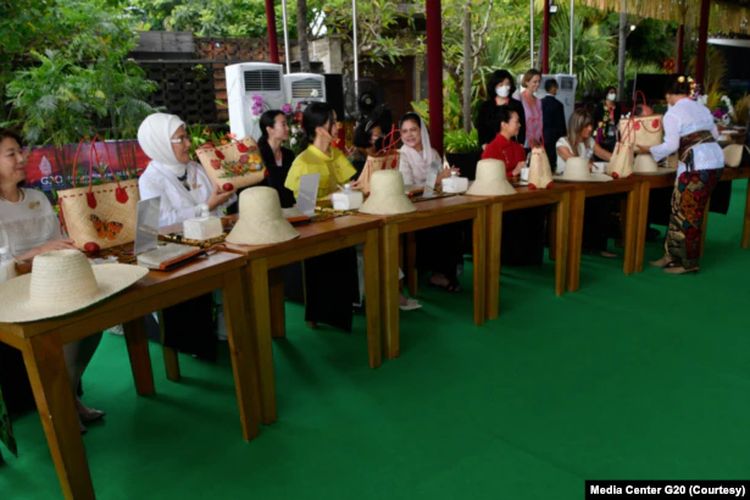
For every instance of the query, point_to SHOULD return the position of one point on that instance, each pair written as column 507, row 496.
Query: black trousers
column 331, row 287
column 440, row 249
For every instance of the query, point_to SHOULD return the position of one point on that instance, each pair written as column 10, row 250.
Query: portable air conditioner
column 303, row 88
column 566, row 91
column 244, row 82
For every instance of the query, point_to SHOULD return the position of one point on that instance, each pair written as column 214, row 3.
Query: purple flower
column 286, row 109
column 718, row 113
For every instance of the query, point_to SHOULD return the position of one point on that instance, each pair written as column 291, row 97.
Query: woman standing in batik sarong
column 689, row 129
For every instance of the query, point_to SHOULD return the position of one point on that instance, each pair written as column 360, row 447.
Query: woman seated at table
column 186, row 192
column 503, row 147
column 523, row 230
column 689, row 130
column 366, row 138
column 331, row 279
column 274, row 130
column 439, row 248
column 30, row 227
column 598, row 225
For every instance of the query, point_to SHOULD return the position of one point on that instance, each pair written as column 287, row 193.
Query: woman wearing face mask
column 330, row 279
column 532, row 108
column 689, row 130
column 606, row 118
column 500, row 89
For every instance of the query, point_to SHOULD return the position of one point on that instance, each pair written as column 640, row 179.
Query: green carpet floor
column 642, row 376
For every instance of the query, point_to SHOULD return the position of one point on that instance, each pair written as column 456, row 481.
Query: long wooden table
column 580, row 191
column 649, row 182
column 429, row 213
column 559, row 197
column 41, row 343
column 265, row 287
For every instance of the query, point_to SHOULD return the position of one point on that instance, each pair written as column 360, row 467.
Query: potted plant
column 462, row 151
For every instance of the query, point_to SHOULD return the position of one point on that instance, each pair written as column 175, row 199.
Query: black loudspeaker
column 335, row 93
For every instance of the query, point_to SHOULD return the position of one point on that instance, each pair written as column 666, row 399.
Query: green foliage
column 452, row 112
column 459, row 141
column 72, row 77
column 593, row 52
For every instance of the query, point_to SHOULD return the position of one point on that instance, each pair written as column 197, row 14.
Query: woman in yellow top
column 320, row 157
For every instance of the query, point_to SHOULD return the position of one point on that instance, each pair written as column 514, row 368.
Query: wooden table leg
column 479, row 230
column 494, row 237
column 746, row 221
column 48, row 375
column 259, row 313
column 575, row 240
column 140, row 361
column 412, row 277
column 171, row 360
column 631, row 228
column 561, row 242
column 278, row 313
column 640, row 238
column 372, row 298
column 389, row 289
column 243, row 352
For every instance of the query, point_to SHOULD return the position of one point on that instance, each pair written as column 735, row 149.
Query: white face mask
column 502, row 91
column 611, row 96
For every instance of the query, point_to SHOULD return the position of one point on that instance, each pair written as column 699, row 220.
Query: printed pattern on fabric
column 689, row 203
column 6, row 431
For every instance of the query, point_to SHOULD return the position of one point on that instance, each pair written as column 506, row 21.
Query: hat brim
column 501, row 188
column 261, row 233
column 593, row 177
column 15, row 293
column 391, row 205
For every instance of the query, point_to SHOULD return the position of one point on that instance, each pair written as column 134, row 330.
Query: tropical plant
column 460, row 141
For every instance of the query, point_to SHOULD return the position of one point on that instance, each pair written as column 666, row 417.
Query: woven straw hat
column 733, row 155
column 387, row 195
column 261, row 221
column 61, row 282
column 646, row 165
column 490, row 179
column 577, row 170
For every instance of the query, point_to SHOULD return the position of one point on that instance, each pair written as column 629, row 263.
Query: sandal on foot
column 449, row 286
column 675, row 268
column 663, row 262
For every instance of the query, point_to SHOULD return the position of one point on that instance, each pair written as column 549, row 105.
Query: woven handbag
column 621, row 163
column 540, row 172
column 99, row 216
column 234, row 165
column 375, row 163
column 643, row 131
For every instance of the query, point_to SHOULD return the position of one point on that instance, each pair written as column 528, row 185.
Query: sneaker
column 410, row 305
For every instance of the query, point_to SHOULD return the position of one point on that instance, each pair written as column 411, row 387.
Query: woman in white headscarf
column 420, row 166
column 185, row 189
column 186, row 192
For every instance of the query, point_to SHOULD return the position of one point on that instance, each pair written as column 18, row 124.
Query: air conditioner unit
column 303, row 88
column 244, row 82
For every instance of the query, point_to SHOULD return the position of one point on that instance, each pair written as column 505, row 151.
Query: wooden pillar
column 700, row 62
column 545, row 38
column 680, row 66
column 435, row 72
column 273, row 44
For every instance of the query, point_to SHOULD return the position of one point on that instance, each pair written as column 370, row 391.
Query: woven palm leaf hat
column 577, row 170
column 261, row 221
column 62, row 282
column 387, row 196
column 490, row 179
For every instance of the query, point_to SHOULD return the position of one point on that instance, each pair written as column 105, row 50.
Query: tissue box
column 455, row 184
column 202, row 228
column 347, row 200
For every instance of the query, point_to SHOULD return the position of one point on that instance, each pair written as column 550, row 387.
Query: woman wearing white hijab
column 420, row 166
column 185, row 189
column 186, row 192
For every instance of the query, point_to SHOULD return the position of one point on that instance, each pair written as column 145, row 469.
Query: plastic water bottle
column 7, row 264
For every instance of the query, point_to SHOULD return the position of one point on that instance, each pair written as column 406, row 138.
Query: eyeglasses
column 179, row 140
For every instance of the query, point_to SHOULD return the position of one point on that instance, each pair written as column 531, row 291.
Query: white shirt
column 413, row 168
column 28, row 223
column 585, row 150
column 685, row 117
column 177, row 202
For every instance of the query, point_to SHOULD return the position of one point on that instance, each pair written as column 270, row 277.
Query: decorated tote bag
column 647, row 130
column 540, row 172
column 234, row 165
column 387, row 157
column 99, row 216
column 622, row 161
